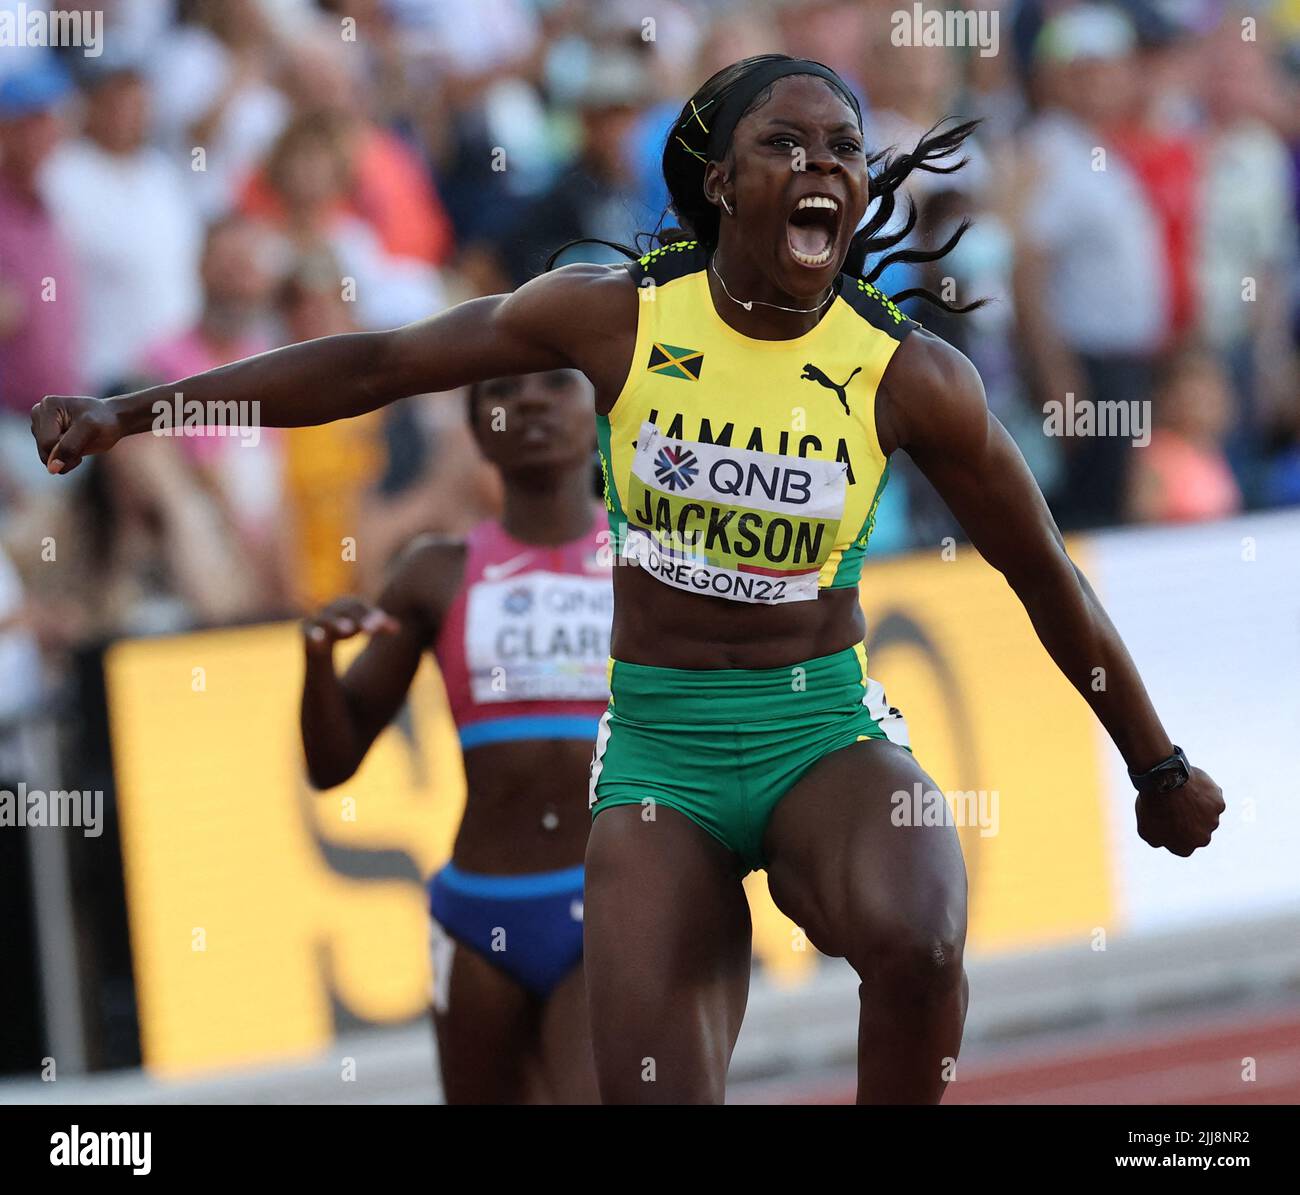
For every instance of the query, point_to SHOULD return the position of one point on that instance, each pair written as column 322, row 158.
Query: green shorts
column 724, row 746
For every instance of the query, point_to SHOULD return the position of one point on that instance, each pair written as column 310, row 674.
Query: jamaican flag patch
column 674, row 362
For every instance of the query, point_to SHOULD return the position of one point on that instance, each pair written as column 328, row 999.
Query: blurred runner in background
column 518, row 615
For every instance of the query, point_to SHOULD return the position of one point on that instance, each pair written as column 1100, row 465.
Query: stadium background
column 233, row 174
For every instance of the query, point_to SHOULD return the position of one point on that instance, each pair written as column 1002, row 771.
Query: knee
column 909, row 962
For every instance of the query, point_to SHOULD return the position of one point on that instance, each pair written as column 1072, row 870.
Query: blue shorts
column 530, row 926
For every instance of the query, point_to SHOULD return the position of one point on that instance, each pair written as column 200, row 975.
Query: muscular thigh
column 840, row 867
column 666, row 943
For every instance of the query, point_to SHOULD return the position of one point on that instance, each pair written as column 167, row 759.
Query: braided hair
column 703, row 131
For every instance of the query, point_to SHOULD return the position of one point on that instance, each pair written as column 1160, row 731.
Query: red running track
column 1199, row 1063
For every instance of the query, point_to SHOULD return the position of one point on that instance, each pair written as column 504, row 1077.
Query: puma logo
column 812, row 374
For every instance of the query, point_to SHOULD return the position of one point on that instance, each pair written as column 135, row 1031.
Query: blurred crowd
column 232, row 175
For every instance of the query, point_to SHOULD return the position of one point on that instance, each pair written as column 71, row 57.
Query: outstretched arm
column 555, row 321
column 934, row 407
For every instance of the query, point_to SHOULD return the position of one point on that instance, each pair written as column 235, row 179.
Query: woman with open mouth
column 751, row 386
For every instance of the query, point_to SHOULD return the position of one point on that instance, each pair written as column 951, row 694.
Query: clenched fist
column 1183, row 820
column 68, row 428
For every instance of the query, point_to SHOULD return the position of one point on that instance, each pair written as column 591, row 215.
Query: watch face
column 1165, row 777
column 1175, row 776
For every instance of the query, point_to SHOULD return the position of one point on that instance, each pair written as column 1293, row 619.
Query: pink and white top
column 524, row 649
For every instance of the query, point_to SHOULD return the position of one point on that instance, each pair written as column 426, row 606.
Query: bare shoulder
column 573, row 318
column 574, row 301
column 422, row 579
column 587, row 282
column 930, row 392
column 587, row 312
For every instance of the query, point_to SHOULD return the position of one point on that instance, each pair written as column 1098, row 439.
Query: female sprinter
column 750, row 389
column 518, row 617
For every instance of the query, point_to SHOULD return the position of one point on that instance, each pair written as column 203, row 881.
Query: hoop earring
column 726, row 205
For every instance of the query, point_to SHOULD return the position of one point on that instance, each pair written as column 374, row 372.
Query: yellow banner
column 263, row 913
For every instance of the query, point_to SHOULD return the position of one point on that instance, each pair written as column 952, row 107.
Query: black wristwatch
column 1166, row 776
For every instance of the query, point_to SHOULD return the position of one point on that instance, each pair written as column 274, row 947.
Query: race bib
column 539, row 637
column 749, row 526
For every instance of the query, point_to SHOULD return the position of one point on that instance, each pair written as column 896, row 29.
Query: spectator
column 1246, row 254
column 387, row 186
column 1090, row 285
column 835, row 32
column 489, row 60
column 736, row 33
column 1162, row 153
column 39, row 348
column 994, row 94
column 1183, row 474
column 596, row 195
column 37, row 328
column 142, row 549
column 309, row 173
column 239, row 271
column 328, row 469
column 211, row 83
column 913, row 88
column 134, row 234
column 395, row 51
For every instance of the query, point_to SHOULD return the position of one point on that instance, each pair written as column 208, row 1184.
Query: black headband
column 720, row 123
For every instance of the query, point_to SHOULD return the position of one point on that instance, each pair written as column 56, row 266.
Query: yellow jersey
column 740, row 468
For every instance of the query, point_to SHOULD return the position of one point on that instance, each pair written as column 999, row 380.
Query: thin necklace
column 830, row 294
